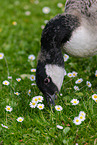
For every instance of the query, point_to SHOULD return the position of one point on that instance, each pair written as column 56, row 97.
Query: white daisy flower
column 81, row 117
column 31, row 57
column 82, row 113
column 27, row 13
column 4, row 126
column 35, row 99
column 17, row 93
column 14, row 23
column 32, row 78
column 76, row 88
column 40, row 98
column 29, row 92
column 61, row 94
column 66, row 57
column 94, row 97
column 8, row 108
column 5, row 83
column 33, row 70
column 1, row 55
column 88, row 84
column 70, row 75
column 74, row 101
column 9, row 77
column 77, row 121
column 96, row 73
column 36, row 2
column 59, row 5
column 18, row 79
column 33, row 84
column 20, row 119
column 42, row 27
column 45, row 21
column 79, row 81
column 74, row 74
column 58, row 108
column 33, row 104
column 59, row 126
column 40, row 106
column 46, row 10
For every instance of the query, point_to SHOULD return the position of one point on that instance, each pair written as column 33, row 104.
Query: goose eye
column 46, row 81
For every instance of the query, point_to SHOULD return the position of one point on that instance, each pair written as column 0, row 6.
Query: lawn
column 21, row 24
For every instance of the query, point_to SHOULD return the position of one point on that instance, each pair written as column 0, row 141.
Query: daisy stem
column 6, row 65
column 6, row 117
column 68, row 81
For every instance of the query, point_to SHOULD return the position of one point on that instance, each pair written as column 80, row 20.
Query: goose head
column 50, row 67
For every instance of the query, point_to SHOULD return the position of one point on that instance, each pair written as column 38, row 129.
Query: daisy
column 70, row 75
column 76, row 88
column 33, row 70
column 77, row 121
column 42, row 27
column 59, row 126
column 14, row 23
column 74, row 101
column 88, row 84
column 66, row 57
column 31, row 57
column 79, row 81
column 81, row 117
column 40, row 106
column 29, row 92
column 33, row 84
column 8, row 108
column 45, row 21
column 27, row 13
column 82, row 113
column 94, row 97
column 17, row 93
column 4, row 126
column 5, row 83
column 40, row 98
column 9, row 77
column 33, row 104
column 96, row 73
column 74, row 74
column 35, row 99
column 32, row 78
column 46, row 10
column 58, row 108
column 20, row 119
column 59, row 5
column 18, row 79
column 1, row 55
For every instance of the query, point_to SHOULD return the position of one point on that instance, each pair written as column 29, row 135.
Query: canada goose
column 76, row 31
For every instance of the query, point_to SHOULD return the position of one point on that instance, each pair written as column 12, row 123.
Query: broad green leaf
column 66, row 130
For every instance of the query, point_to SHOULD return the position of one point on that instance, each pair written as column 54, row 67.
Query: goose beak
column 50, row 99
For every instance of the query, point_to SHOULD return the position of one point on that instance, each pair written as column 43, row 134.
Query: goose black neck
column 57, row 31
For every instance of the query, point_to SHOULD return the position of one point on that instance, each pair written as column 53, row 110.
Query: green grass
column 39, row 126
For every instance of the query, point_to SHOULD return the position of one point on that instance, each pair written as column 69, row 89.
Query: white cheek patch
column 56, row 73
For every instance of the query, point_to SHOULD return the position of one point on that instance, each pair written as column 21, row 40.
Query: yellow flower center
column 0, row 55
column 39, row 98
column 33, row 103
column 35, row 99
column 77, row 120
column 66, row 56
column 96, row 75
column 95, row 96
column 58, row 108
column 5, row 83
column 70, row 74
column 29, row 92
column 82, row 114
column 31, row 57
column 79, row 81
column 40, row 106
column 8, row 108
column 81, row 117
column 75, row 102
column 32, row 77
column 95, row 100
column 20, row 119
column 16, row 93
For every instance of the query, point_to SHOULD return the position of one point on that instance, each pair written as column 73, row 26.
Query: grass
column 39, row 126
